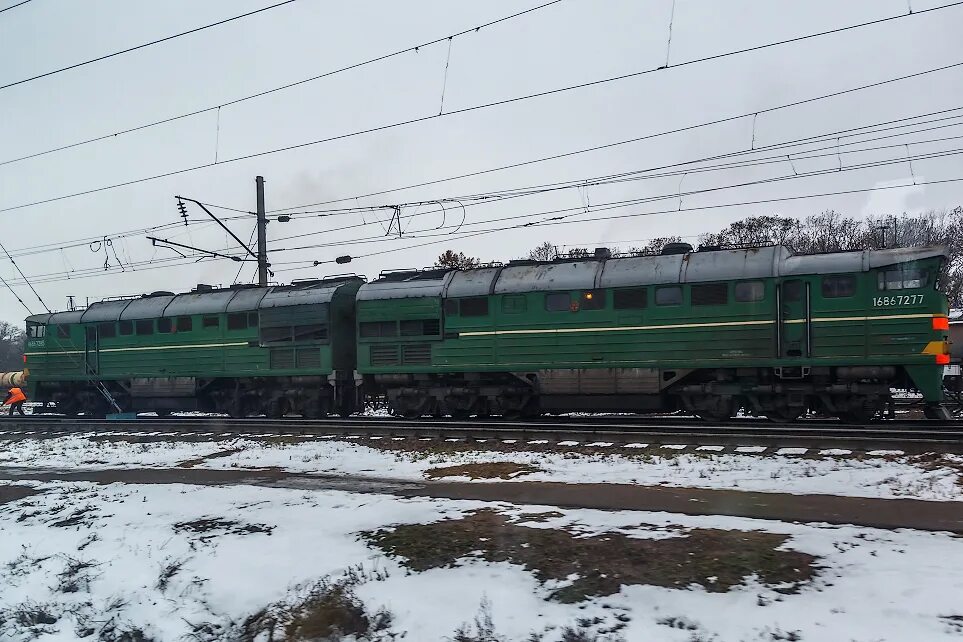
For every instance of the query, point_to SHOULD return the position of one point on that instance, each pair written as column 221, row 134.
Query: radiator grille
column 309, row 358
column 384, row 354
column 416, row 354
column 282, row 359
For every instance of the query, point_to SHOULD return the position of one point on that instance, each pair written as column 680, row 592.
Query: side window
column 630, row 298
column 91, row 332
column 792, row 290
column 710, row 294
column 107, row 330
column 211, row 322
column 420, row 328
column 63, row 331
column 902, row 279
column 185, row 324
column 474, row 307
column 237, row 321
column 144, row 326
column 514, row 303
column 165, row 325
column 592, row 300
column 311, row 332
column 669, row 295
column 749, row 291
column 451, row 307
column 835, row 287
column 558, row 301
column 373, row 329
column 276, row 335
column 125, row 328
column 252, row 320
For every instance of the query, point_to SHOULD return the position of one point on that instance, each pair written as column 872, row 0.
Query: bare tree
column 455, row 260
column 543, row 252
column 12, row 342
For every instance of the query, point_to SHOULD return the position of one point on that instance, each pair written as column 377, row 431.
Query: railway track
column 908, row 437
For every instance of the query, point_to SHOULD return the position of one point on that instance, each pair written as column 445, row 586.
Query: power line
column 196, row 112
column 143, row 45
column 25, row 280
column 580, row 209
column 499, row 103
column 15, row 295
column 627, row 141
column 14, row 6
column 449, row 239
column 645, row 174
column 556, row 220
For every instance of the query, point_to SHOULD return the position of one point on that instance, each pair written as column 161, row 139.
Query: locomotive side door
column 92, row 350
column 794, row 319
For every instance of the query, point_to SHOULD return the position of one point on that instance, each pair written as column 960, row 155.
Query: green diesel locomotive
column 707, row 331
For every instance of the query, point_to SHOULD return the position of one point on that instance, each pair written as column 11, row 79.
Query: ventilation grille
column 282, row 359
column 309, row 358
column 384, row 355
column 416, row 354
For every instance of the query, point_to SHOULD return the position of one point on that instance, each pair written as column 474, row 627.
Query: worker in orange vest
column 15, row 398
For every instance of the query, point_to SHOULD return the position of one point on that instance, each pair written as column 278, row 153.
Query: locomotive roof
column 691, row 267
column 245, row 299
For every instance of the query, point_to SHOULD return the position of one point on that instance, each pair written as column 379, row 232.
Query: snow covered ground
column 181, row 562
column 932, row 478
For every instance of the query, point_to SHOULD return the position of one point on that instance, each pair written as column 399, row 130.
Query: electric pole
column 262, row 264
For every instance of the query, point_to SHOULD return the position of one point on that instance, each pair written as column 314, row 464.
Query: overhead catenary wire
column 143, row 45
column 639, row 175
column 14, row 6
column 599, row 180
column 550, row 221
column 266, row 92
column 637, row 139
column 24, row 277
column 575, row 210
column 551, row 92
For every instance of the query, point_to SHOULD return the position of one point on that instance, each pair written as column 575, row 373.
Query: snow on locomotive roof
column 105, row 311
column 691, row 267
column 300, row 294
column 414, row 286
column 149, row 307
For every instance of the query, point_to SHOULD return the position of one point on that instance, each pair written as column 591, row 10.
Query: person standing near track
column 15, row 399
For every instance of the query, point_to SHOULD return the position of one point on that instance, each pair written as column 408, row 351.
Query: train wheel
column 277, row 408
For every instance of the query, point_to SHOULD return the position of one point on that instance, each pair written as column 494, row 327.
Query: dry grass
column 715, row 559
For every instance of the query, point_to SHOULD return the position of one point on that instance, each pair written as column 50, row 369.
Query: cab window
column 557, row 301
column 593, row 300
column 901, row 279
column 671, row 295
column 835, row 287
column 749, row 291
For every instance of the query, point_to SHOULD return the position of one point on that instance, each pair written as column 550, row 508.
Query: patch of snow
column 895, row 477
column 872, row 585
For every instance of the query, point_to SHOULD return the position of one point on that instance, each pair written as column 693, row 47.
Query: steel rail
column 866, row 438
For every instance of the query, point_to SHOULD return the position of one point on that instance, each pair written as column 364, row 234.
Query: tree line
column 828, row 231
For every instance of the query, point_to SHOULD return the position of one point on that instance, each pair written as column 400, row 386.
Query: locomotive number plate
column 902, row 299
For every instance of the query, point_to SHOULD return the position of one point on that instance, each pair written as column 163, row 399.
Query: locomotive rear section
column 708, row 331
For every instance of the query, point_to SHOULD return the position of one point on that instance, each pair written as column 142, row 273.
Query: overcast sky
column 571, row 42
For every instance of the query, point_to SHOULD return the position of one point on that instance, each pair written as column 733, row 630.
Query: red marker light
column 941, row 323
column 942, row 359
